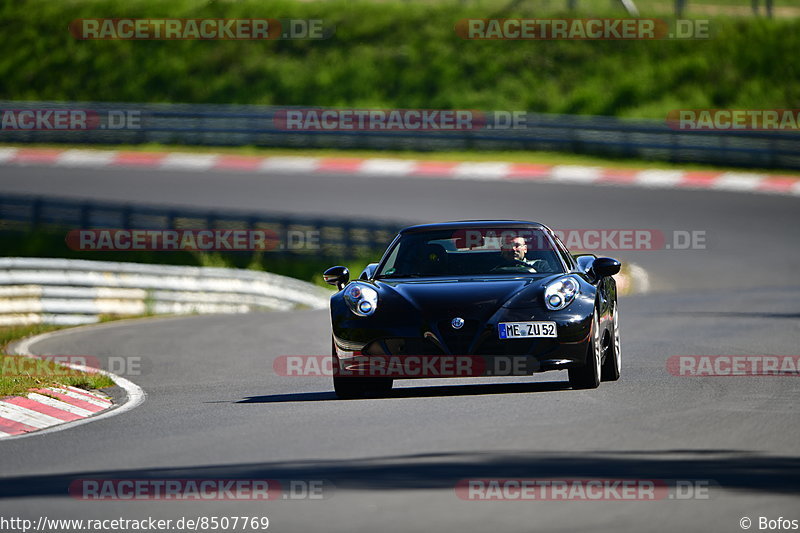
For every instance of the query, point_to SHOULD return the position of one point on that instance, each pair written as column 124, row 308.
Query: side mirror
column 369, row 271
column 585, row 261
column 605, row 266
column 337, row 275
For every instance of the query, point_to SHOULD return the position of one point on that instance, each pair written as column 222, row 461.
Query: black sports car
column 471, row 299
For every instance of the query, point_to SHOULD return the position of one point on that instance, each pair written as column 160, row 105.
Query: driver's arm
column 540, row 265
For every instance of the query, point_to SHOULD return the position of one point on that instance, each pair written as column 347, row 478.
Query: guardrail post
column 283, row 235
column 127, row 213
column 86, row 216
column 674, row 147
column 349, row 250
column 36, row 213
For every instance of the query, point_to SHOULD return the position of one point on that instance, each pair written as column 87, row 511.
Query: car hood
column 470, row 298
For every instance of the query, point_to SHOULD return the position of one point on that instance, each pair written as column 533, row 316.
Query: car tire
column 349, row 388
column 613, row 362
column 588, row 376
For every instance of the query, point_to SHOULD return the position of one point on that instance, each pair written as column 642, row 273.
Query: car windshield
column 470, row 252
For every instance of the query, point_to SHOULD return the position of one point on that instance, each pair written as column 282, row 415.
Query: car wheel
column 348, row 387
column 588, row 376
column 613, row 362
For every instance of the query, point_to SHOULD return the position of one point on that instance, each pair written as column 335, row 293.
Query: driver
column 514, row 251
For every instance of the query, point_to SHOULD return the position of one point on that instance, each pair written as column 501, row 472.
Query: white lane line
column 85, row 158
column 4, row 434
column 183, row 161
column 58, row 404
column 289, row 164
column 481, row 171
column 576, row 174
column 659, row 178
column 27, row 416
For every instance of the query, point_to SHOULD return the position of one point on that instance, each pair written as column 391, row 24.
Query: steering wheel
column 514, row 266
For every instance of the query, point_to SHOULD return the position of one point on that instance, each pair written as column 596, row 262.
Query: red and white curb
column 51, row 409
column 372, row 167
column 47, row 407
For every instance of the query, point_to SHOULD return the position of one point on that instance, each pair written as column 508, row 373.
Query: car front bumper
column 434, row 349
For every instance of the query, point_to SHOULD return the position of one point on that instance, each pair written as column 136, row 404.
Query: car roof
column 458, row 224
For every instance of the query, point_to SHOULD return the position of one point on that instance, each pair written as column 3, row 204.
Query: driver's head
column 514, row 248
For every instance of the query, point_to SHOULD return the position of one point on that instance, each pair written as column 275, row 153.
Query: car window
column 564, row 253
column 472, row 251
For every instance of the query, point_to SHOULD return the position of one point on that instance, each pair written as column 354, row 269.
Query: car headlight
column 561, row 292
column 361, row 299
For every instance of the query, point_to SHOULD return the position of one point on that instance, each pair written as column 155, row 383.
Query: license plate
column 523, row 330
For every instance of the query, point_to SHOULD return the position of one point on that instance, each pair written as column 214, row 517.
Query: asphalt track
column 216, row 409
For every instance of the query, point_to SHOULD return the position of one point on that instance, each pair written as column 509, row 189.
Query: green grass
column 18, row 374
column 9, row 334
column 396, row 54
column 716, row 7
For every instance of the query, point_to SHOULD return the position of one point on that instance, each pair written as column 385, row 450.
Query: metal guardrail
column 337, row 238
column 70, row 292
column 238, row 125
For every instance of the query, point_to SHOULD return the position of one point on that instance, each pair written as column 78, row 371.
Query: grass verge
column 19, row 374
column 397, row 55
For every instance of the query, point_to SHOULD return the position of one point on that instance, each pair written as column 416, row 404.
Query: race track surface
column 217, row 409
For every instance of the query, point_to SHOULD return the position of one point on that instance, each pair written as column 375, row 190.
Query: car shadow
column 421, row 392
